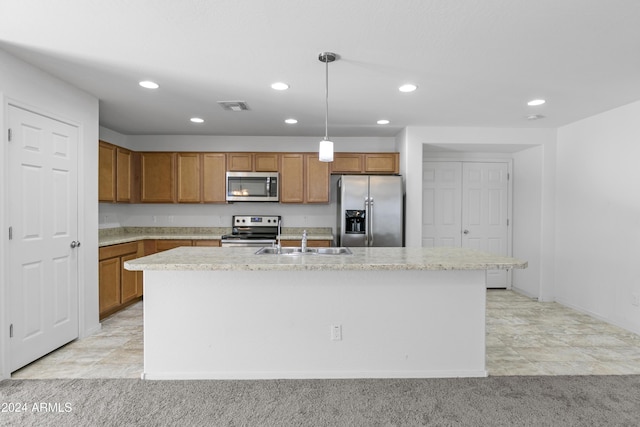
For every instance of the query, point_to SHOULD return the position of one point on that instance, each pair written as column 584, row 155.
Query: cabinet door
column 129, row 280
column 123, row 174
column 158, row 177
column 213, row 178
column 109, row 284
column 266, row 162
column 381, row 163
column 292, row 178
column 317, row 180
column 189, row 185
column 106, row 172
column 347, row 163
column 240, row 162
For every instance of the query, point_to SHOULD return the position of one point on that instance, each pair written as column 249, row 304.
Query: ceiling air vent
column 234, row 105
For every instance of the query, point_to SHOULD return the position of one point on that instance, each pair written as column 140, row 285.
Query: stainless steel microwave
column 252, row 187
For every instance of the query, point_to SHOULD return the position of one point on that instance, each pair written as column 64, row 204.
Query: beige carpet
column 493, row 401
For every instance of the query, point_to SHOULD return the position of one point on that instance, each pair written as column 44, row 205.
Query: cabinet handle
column 75, row 244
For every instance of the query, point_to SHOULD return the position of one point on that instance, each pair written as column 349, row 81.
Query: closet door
column 485, row 213
column 441, row 204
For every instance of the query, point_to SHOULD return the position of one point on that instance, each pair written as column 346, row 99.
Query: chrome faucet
column 304, row 241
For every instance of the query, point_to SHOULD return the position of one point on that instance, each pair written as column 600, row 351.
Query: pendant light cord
column 326, row 99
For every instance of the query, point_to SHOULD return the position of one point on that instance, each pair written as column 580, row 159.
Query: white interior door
column 441, row 204
column 485, row 213
column 465, row 204
column 43, row 289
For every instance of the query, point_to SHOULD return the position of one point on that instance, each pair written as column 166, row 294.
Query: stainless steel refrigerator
column 370, row 210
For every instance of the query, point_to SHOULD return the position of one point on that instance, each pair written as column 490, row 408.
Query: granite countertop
column 114, row 236
column 244, row 259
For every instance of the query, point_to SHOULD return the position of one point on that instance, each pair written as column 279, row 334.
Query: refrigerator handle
column 366, row 224
column 371, row 221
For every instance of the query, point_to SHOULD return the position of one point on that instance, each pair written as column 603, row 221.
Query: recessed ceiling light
column 291, row 121
column 383, row 122
column 279, row 86
column 148, row 84
column 536, row 102
column 197, row 120
column 407, row 87
column 535, row 117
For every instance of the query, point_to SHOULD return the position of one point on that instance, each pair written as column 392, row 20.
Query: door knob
column 75, row 244
column 466, row 231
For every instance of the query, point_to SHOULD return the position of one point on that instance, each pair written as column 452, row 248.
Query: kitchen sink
column 291, row 250
column 332, row 251
column 270, row 250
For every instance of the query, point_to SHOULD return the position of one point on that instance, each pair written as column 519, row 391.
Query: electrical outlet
column 336, row 332
column 170, row 218
column 155, row 219
column 635, row 300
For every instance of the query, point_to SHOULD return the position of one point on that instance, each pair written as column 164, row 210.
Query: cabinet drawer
column 112, row 251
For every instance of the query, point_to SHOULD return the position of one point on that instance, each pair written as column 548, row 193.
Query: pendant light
column 325, row 151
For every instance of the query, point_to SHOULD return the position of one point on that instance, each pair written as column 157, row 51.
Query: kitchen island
column 226, row 313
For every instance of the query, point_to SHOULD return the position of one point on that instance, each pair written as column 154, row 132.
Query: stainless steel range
column 257, row 231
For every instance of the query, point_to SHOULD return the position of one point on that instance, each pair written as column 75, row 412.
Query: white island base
column 245, row 324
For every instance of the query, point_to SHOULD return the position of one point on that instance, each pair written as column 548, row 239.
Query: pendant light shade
column 325, row 151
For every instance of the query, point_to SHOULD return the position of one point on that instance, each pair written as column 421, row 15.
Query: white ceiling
column 476, row 62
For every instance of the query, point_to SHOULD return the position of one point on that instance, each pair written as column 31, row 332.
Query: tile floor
column 524, row 337
column 114, row 352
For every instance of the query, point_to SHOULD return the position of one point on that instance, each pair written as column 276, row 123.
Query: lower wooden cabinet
column 166, row 244
column 159, row 245
column 117, row 286
column 213, row 243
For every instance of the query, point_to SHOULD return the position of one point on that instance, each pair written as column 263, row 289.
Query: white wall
column 31, row 88
column 219, row 215
column 598, row 216
column 527, row 223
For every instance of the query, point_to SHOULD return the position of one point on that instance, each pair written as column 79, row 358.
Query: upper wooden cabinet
column 124, row 172
column 158, row 180
column 362, row 163
column 266, row 162
column 252, row 162
column 201, row 177
column 381, row 163
column 192, row 177
column 240, row 162
column 292, row 178
column 106, row 172
column 317, row 177
column 214, row 186
column 303, row 179
column 189, row 177
column 115, row 167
